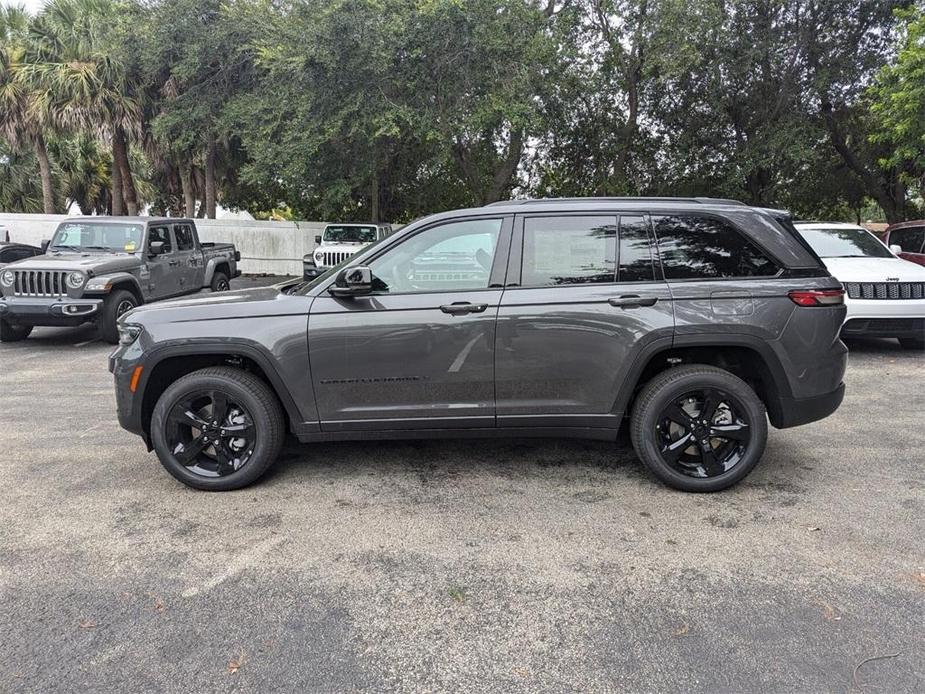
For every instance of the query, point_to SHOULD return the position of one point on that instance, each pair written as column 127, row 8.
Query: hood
column 245, row 303
column 874, row 270
column 91, row 263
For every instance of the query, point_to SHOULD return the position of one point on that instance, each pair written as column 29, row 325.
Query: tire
column 209, row 469
column 117, row 303
column 913, row 343
column 220, row 282
column 13, row 333
column 716, row 461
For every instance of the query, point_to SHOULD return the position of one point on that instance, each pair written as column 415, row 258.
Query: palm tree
column 18, row 123
column 74, row 64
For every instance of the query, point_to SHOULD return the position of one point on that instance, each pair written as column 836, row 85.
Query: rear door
column 419, row 352
column 582, row 301
column 188, row 257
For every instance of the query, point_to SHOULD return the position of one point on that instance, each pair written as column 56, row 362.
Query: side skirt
column 597, row 434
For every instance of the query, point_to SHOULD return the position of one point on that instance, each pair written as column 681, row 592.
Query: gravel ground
column 468, row 566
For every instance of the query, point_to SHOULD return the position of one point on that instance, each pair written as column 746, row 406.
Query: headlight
column 318, row 258
column 98, row 284
column 76, row 279
column 128, row 333
column 7, row 277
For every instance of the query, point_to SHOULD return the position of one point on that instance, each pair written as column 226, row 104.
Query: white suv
column 338, row 242
column 885, row 294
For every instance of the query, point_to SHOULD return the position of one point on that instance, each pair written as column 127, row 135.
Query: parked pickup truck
column 97, row 268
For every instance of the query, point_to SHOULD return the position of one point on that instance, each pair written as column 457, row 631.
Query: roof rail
column 698, row 200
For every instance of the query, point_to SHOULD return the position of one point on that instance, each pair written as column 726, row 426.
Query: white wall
column 266, row 247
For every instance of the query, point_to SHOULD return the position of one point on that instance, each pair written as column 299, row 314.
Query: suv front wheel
column 217, row 429
column 699, row 428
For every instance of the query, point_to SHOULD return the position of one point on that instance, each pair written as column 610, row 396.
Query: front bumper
column 122, row 364
column 310, row 272
column 62, row 311
column 884, row 327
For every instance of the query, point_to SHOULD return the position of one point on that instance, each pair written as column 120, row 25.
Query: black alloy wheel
column 124, row 307
column 699, row 428
column 211, row 434
column 219, row 428
column 703, row 433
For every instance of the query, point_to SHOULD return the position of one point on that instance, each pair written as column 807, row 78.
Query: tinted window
column 11, row 255
column 846, row 242
column 184, row 234
column 635, row 257
column 160, row 234
column 569, row 250
column 703, row 247
column 455, row 256
column 910, row 240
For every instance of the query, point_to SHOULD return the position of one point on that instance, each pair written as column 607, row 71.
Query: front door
column 189, row 259
column 418, row 352
column 583, row 299
column 162, row 278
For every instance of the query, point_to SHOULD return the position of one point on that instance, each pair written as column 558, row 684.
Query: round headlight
column 76, row 279
column 7, row 277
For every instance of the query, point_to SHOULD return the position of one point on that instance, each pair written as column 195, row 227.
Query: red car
column 910, row 237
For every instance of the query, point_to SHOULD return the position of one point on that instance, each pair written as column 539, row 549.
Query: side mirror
column 318, row 240
column 155, row 248
column 896, row 248
column 45, row 244
column 352, row 281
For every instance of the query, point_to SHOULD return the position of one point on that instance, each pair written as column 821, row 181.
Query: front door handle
column 458, row 308
column 632, row 301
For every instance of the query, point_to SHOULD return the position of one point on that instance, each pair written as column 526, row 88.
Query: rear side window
column 569, row 250
column 695, row 247
column 910, row 240
column 635, row 253
column 184, row 234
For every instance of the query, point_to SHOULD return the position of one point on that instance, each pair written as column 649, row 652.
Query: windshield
column 845, row 243
column 340, row 233
column 98, row 236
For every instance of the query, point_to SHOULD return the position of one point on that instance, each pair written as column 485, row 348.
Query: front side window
column 695, row 247
column 103, row 237
column 162, row 234
column 846, row 242
column 911, row 239
column 450, row 257
column 11, row 255
column 569, row 250
column 184, row 234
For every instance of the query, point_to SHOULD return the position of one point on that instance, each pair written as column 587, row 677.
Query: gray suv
column 698, row 320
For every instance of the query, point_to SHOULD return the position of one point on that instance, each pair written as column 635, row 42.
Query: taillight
column 818, row 297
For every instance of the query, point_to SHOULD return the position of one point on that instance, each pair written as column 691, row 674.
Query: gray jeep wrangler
column 97, row 268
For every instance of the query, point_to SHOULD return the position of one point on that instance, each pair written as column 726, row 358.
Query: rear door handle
column 632, row 301
column 458, row 308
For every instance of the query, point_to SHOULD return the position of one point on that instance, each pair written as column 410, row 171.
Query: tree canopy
column 390, row 109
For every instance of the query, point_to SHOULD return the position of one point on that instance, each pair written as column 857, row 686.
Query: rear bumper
column 52, row 312
column 796, row 411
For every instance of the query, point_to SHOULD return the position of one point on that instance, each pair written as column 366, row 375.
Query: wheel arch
column 168, row 364
column 750, row 359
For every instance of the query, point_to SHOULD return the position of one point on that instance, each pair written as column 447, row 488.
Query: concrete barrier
column 274, row 248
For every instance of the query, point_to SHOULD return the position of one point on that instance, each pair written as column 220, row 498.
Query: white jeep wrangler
column 338, row 242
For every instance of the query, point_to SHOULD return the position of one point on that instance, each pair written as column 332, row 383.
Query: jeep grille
column 885, row 290
column 331, row 258
column 39, row 283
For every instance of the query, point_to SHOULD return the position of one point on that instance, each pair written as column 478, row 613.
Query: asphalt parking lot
column 457, row 566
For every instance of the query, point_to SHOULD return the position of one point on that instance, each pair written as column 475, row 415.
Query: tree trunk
column 186, row 182
column 48, row 195
column 120, row 152
column 117, row 209
column 210, row 180
column 374, row 197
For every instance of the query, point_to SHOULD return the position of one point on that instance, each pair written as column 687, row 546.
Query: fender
column 232, row 348
column 779, row 387
column 111, row 280
column 211, row 267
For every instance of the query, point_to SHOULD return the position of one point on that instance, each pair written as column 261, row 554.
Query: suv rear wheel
column 217, row 429
column 699, row 428
column 13, row 333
